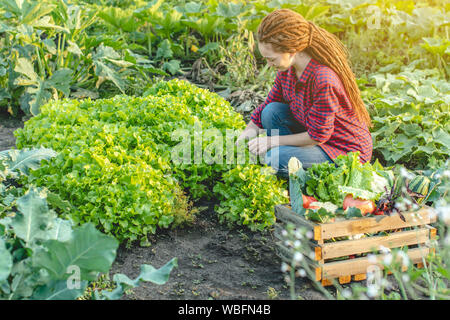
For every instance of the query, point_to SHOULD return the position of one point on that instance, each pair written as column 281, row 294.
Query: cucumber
column 420, row 184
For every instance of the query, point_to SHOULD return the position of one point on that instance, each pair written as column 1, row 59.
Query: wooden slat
column 359, row 265
column 279, row 236
column 287, row 255
column 286, row 214
column 326, row 282
column 318, row 271
column 345, row 279
column 376, row 224
column 360, row 277
column 318, row 253
column 393, row 240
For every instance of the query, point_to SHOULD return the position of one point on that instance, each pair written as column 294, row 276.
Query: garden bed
column 214, row 261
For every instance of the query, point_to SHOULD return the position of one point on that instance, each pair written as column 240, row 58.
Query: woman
column 314, row 111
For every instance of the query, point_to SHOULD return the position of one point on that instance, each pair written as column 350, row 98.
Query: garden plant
column 130, row 112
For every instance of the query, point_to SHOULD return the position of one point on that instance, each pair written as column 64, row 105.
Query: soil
column 8, row 125
column 214, row 261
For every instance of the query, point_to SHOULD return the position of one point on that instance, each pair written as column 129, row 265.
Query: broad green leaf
column 38, row 96
column 50, row 45
column 157, row 276
column 209, row 47
column 148, row 274
column 164, row 50
column 102, row 70
column 105, row 52
column 297, row 183
column 353, row 212
column 6, row 261
column 193, row 7
column 59, row 229
column 442, row 137
column 88, row 249
column 25, row 67
column 74, row 48
column 31, row 222
column 60, row 80
column 26, row 159
column 59, row 290
column 229, row 10
column 35, row 10
column 173, row 66
column 358, row 193
column 46, row 22
column 120, row 63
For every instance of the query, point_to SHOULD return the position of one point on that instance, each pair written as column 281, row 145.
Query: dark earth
column 214, row 261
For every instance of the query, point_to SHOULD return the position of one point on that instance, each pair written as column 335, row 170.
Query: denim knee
column 271, row 114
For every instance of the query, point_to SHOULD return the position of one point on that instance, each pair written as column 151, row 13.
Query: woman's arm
column 251, row 131
column 298, row 140
column 260, row 145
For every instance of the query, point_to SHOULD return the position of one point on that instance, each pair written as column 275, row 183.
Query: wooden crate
column 416, row 240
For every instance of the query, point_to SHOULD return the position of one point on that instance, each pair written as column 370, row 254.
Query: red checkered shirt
column 318, row 101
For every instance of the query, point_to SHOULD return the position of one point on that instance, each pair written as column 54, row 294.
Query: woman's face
column 281, row 61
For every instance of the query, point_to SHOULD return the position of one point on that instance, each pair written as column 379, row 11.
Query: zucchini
column 420, row 184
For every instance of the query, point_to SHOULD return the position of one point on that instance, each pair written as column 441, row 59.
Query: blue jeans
column 277, row 119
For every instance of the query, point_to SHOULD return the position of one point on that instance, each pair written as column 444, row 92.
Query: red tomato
column 366, row 206
column 378, row 212
column 307, row 201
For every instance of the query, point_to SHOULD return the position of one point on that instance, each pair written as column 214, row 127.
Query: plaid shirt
column 318, row 101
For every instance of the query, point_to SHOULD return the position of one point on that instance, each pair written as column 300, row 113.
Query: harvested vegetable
column 366, row 206
column 307, row 201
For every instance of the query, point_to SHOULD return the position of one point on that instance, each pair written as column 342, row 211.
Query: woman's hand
column 261, row 145
column 251, row 131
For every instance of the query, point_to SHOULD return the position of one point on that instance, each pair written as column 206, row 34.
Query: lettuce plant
column 45, row 257
column 248, row 195
column 115, row 157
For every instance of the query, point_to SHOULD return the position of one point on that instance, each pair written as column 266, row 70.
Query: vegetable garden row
column 98, row 159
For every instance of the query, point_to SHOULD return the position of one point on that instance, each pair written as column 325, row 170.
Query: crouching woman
column 314, row 111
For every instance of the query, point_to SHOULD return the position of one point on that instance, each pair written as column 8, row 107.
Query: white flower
column 347, row 293
column 405, row 277
column 302, row 272
column 405, row 258
column 372, row 291
column 309, row 234
column 384, row 250
column 284, row 233
column 356, row 236
column 444, row 214
column 298, row 234
column 387, row 260
column 372, row 258
column 297, row 243
column 298, row 257
column 284, row 267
